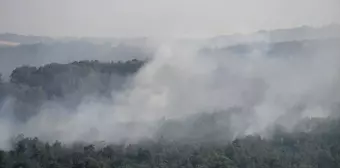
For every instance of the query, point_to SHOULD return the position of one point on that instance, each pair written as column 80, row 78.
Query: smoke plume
column 170, row 96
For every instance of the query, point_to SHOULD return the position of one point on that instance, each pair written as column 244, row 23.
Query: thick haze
column 240, row 94
column 249, row 90
column 195, row 18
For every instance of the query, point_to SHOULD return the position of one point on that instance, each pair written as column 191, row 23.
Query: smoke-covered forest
column 317, row 148
column 248, row 105
column 30, row 86
column 313, row 143
column 170, row 84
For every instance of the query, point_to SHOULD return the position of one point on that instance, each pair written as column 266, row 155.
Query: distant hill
column 279, row 35
column 22, row 39
column 293, row 48
column 65, row 52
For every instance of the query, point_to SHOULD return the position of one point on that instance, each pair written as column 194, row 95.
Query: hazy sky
column 160, row 17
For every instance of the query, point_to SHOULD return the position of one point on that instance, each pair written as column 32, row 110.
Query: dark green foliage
column 70, row 73
column 30, row 87
column 319, row 148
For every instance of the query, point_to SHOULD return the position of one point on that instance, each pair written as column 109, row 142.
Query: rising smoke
column 170, row 96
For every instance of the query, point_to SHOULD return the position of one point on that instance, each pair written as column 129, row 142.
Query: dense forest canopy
column 315, row 149
column 31, row 86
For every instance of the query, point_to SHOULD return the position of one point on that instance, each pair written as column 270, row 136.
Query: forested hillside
column 227, row 114
column 319, row 148
column 313, row 143
column 169, row 84
column 30, row 86
column 63, row 52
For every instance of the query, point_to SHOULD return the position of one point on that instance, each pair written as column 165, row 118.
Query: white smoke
column 181, row 82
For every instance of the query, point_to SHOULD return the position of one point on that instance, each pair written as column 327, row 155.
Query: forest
column 319, row 148
column 31, row 86
column 41, row 80
column 313, row 143
column 170, row 84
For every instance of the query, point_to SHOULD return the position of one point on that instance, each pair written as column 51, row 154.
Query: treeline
column 31, row 86
column 64, row 52
column 319, row 148
column 52, row 78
